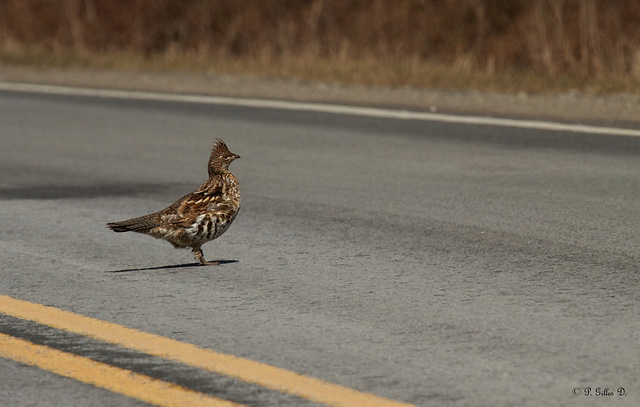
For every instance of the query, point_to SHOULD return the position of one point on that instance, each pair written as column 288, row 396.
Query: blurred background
column 504, row 45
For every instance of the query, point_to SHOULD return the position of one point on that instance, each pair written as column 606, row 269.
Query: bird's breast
column 231, row 189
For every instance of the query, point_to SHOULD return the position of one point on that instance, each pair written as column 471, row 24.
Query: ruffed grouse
column 198, row 217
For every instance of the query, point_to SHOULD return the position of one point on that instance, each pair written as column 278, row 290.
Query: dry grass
column 507, row 45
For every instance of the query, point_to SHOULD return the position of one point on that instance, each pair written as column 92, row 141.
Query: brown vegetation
column 444, row 43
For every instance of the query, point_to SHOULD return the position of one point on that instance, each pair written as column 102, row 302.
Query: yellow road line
column 117, row 380
column 244, row 369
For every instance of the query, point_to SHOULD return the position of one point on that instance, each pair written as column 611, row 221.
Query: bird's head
column 220, row 158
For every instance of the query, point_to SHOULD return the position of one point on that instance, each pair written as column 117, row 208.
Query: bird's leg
column 197, row 252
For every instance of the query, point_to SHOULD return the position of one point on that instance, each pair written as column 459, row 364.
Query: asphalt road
column 426, row 262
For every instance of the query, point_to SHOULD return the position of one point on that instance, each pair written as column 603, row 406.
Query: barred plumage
column 198, row 217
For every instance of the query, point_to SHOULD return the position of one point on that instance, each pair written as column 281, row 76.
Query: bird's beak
column 236, row 156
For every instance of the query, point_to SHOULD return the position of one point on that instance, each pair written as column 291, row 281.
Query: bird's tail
column 140, row 225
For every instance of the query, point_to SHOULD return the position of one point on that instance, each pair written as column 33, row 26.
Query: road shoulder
column 621, row 110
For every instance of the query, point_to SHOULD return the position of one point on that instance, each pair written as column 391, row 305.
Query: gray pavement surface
column 432, row 263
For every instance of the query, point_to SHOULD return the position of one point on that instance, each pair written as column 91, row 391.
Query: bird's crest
column 220, row 158
column 220, row 149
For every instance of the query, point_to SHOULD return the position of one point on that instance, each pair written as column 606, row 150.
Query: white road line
column 318, row 107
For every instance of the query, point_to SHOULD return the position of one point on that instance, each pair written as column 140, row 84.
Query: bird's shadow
column 171, row 266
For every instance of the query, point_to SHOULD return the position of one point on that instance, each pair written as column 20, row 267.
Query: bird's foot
column 203, row 262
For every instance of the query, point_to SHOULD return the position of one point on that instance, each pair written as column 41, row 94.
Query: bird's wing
column 186, row 210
